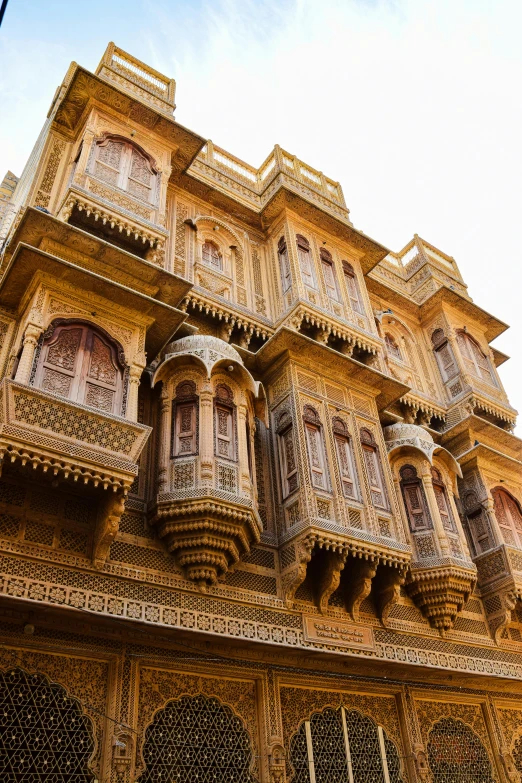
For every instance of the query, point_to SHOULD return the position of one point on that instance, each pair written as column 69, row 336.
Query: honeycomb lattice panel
column 43, row 734
column 197, row 739
column 456, row 754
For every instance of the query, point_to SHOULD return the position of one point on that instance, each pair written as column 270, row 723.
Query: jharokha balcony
column 73, row 443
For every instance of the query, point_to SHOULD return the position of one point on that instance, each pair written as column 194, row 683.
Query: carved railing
column 64, row 438
column 278, row 162
column 100, row 205
column 136, row 77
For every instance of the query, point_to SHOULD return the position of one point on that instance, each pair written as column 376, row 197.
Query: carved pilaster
column 206, row 437
column 164, row 449
column 31, row 337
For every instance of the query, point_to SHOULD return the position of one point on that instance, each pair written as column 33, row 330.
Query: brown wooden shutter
column 61, row 359
column 346, row 469
column 185, row 429
column 100, row 376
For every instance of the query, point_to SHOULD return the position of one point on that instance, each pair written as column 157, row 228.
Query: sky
column 415, row 106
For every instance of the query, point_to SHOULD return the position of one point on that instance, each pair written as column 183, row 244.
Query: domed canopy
column 211, row 353
column 402, row 437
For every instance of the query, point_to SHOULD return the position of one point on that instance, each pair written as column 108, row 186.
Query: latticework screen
column 456, row 754
column 342, row 746
column 43, row 734
column 197, row 739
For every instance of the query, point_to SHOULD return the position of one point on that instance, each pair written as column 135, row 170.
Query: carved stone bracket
column 107, row 526
column 358, row 583
column 441, row 592
column 207, row 535
column 502, row 605
column 294, row 576
column 387, row 589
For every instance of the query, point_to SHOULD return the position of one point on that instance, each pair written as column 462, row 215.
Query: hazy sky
column 415, row 106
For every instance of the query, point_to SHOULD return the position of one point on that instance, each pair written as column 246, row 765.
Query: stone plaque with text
column 337, row 632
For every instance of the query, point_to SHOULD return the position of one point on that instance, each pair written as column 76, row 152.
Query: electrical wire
column 2, row 10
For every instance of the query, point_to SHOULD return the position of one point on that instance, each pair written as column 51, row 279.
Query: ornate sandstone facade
column 260, row 505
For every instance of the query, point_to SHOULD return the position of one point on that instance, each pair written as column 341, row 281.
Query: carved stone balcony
column 115, row 218
column 75, row 443
column 355, row 562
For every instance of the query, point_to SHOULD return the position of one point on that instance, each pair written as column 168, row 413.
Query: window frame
column 343, row 440
column 314, row 432
column 409, row 478
column 327, row 262
column 224, row 401
column 472, row 354
column 304, row 254
column 498, row 494
column 440, row 491
column 450, row 370
column 186, row 395
column 284, row 265
column 285, row 432
column 124, row 171
column 369, row 446
column 353, row 288
column 219, row 267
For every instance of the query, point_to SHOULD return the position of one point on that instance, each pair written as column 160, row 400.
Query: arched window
column 211, row 256
column 343, row 447
column 329, row 276
column 444, row 355
column 43, row 734
column 315, row 447
column 443, row 503
column 306, row 263
column 508, row 516
column 414, row 498
column 224, row 423
column 354, row 291
column 197, row 739
column 287, row 455
column 343, row 746
column 475, row 361
column 373, row 466
column 391, row 346
column 456, row 754
column 83, row 364
column 185, row 417
column 125, row 165
column 284, row 265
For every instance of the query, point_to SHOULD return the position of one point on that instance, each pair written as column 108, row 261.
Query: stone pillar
column 135, row 373
column 206, row 438
column 83, row 161
column 31, row 337
column 434, row 510
column 164, row 435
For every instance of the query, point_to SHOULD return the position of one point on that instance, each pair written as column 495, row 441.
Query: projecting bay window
column 345, row 461
column 284, row 265
column 329, row 278
column 287, row 455
column 372, row 463
column 414, row 500
column 185, row 411
column 315, row 448
column 224, row 424
column 126, row 166
column 354, row 291
column 306, row 263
